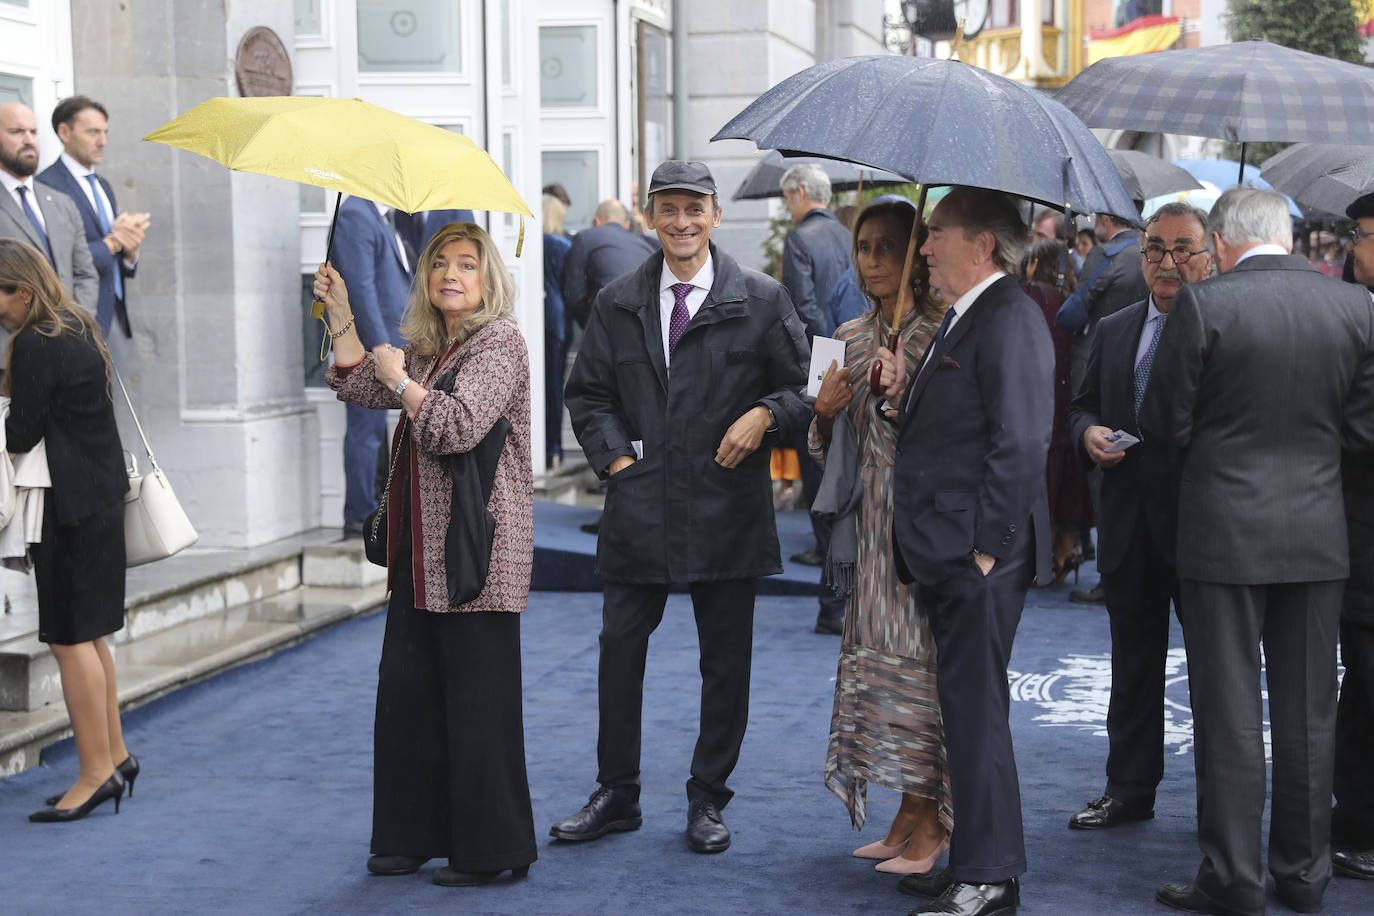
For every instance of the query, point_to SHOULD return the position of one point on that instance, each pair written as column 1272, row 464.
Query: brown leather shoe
column 1106, row 811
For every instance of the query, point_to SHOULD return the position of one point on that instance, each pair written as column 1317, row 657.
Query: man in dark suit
column 1139, row 519
column 45, row 218
column 1117, row 284
column 971, row 520
column 599, row 254
column 688, row 374
column 369, row 254
column 416, row 229
column 1352, row 818
column 1260, row 376
column 112, row 237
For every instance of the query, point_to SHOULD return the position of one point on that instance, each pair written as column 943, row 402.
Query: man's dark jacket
column 814, row 257
column 1144, row 485
column 598, row 255
column 676, row 515
column 1260, row 376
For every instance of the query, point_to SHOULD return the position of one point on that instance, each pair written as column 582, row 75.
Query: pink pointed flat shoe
column 900, row 866
column 879, row 851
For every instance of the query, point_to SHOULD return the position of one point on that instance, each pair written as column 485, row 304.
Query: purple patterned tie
column 678, row 323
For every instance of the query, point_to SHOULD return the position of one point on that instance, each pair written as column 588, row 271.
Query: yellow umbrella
column 348, row 146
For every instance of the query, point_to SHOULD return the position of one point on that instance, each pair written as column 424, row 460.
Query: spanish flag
column 1364, row 15
column 1140, row 36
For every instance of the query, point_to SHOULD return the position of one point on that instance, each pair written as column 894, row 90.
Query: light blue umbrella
column 1222, row 173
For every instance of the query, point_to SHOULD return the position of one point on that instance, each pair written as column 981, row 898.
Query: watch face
column 974, row 13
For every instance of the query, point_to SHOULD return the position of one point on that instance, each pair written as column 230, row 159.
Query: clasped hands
column 127, row 233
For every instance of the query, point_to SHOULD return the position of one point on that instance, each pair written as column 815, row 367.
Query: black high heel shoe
column 448, row 876
column 128, row 769
column 110, row 788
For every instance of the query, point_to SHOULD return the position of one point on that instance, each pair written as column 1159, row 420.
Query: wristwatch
column 401, row 386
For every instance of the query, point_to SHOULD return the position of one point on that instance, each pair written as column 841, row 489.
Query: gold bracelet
column 335, row 335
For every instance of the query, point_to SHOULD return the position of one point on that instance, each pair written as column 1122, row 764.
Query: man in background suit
column 112, row 237
column 1139, row 520
column 599, row 254
column 46, row 219
column 369, row 254
column 1260, row 376
column 971, row 520
column 416, row 229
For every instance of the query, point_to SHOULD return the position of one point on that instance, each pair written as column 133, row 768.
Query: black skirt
column 449, row 741
column 79, row 572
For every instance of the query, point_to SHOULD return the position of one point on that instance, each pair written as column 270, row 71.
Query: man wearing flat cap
column 1352, row 819
column 689, row 372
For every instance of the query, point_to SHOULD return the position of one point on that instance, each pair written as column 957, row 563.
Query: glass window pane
column 507, row 49
column 409, row 36
column 567, row 66
column 16, row 89
column 23, row 3
column 576, row 171
column 308, row 20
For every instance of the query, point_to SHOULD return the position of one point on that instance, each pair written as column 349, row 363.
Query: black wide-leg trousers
column 449, row 774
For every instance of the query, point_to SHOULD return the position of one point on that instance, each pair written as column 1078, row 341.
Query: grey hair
column 1179, row 208
column 811, row 178
column 1249, row 215
column 981, row 210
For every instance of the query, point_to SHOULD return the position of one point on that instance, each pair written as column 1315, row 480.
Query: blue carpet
column 256, row 789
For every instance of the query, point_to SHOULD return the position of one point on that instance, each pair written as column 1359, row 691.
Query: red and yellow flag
column 1139, row 36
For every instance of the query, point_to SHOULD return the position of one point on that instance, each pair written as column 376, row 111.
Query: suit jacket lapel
column 930, row 365
column 11, row 209
column 1126, row 373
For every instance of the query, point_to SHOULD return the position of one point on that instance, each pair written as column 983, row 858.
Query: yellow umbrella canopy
column 346, row 145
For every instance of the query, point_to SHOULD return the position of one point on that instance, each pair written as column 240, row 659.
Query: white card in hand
column 1121, row 440
column 824, row 351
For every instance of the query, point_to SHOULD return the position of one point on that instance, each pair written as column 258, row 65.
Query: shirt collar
column 963, row 302
column 1266, row 248
column 703, row 279
column 1151, row 310
column 76, row 168
column 382, row 209
column 10, row 182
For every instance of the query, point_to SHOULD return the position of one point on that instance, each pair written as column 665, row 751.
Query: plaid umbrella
column 1147, row 176
column 937, row 122
column 1323, row 177
column 1243, row 92
column 764, row 179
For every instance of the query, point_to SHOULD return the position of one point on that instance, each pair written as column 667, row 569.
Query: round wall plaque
column 261, row 64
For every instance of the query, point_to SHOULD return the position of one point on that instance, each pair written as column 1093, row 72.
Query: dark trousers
column 832, row 606
column 1138, row 594
column 364, row 434
column 449, row 773
column 725, row 635
column 1352, row 821
column 554, row 361
column 1223, row 628
column 975, row 619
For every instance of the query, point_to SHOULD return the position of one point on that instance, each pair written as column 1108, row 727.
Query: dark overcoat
column 676, row 515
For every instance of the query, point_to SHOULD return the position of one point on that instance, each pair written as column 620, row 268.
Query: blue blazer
column 108, row 306
column 368, row 259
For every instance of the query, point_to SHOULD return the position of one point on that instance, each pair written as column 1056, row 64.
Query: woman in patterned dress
column 449, row 754
column 886, row 726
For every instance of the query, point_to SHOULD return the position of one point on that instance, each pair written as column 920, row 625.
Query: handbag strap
column 133, row 413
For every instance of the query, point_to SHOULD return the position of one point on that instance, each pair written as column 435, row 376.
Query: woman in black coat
column 59, row 385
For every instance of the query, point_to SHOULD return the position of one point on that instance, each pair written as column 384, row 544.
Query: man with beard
column 45, row 218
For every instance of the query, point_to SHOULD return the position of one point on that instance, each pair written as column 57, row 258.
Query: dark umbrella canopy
column 936, row 122
column 1243, row 92
column 764, row 179
column 1325, row 177
column 1147, row 176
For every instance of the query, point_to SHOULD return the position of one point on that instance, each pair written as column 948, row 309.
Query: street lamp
column 934, row 20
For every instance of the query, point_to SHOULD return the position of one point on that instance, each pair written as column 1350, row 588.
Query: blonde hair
column 423, row 323
column 555, row 212
column 52, row 311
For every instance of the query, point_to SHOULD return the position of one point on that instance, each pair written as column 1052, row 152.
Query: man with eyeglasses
column 1137, row 527
column 1260, row 378
column 1352, row 818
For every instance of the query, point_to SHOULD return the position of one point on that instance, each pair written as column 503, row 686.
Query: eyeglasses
column 1362, row 235
column 1155, row 253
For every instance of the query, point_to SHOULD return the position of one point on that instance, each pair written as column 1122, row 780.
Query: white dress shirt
column 1266, row 248
column 13, row 185
column 382, row 211
column 701, row 285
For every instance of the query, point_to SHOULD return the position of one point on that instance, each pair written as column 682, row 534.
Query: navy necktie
column 102, row 213
column 37, row 223
column 1142, row 369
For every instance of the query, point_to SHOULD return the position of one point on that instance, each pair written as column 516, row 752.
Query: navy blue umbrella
column 937, row 122
column 1243, row 92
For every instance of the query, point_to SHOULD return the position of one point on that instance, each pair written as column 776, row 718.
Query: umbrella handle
column 317, row 307
column 875, row 375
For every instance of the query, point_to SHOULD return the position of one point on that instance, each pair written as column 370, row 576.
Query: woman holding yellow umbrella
column 449, row 772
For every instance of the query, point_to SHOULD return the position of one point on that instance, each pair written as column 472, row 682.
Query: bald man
column 599, row 255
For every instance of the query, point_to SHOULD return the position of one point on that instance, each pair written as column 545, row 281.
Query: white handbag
column 155, row 525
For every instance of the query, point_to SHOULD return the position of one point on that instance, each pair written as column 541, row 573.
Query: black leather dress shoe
column 832, row 626
column 1095, row 595
column 1106, row 811
column 448, row 876
column 1353, row 863
column 706, row 831
column 1298, row 899
column 961, row 899
column 809, row 557
column 395, row 865
column 929, row 884
column 1189, row 899
column 607, row 810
